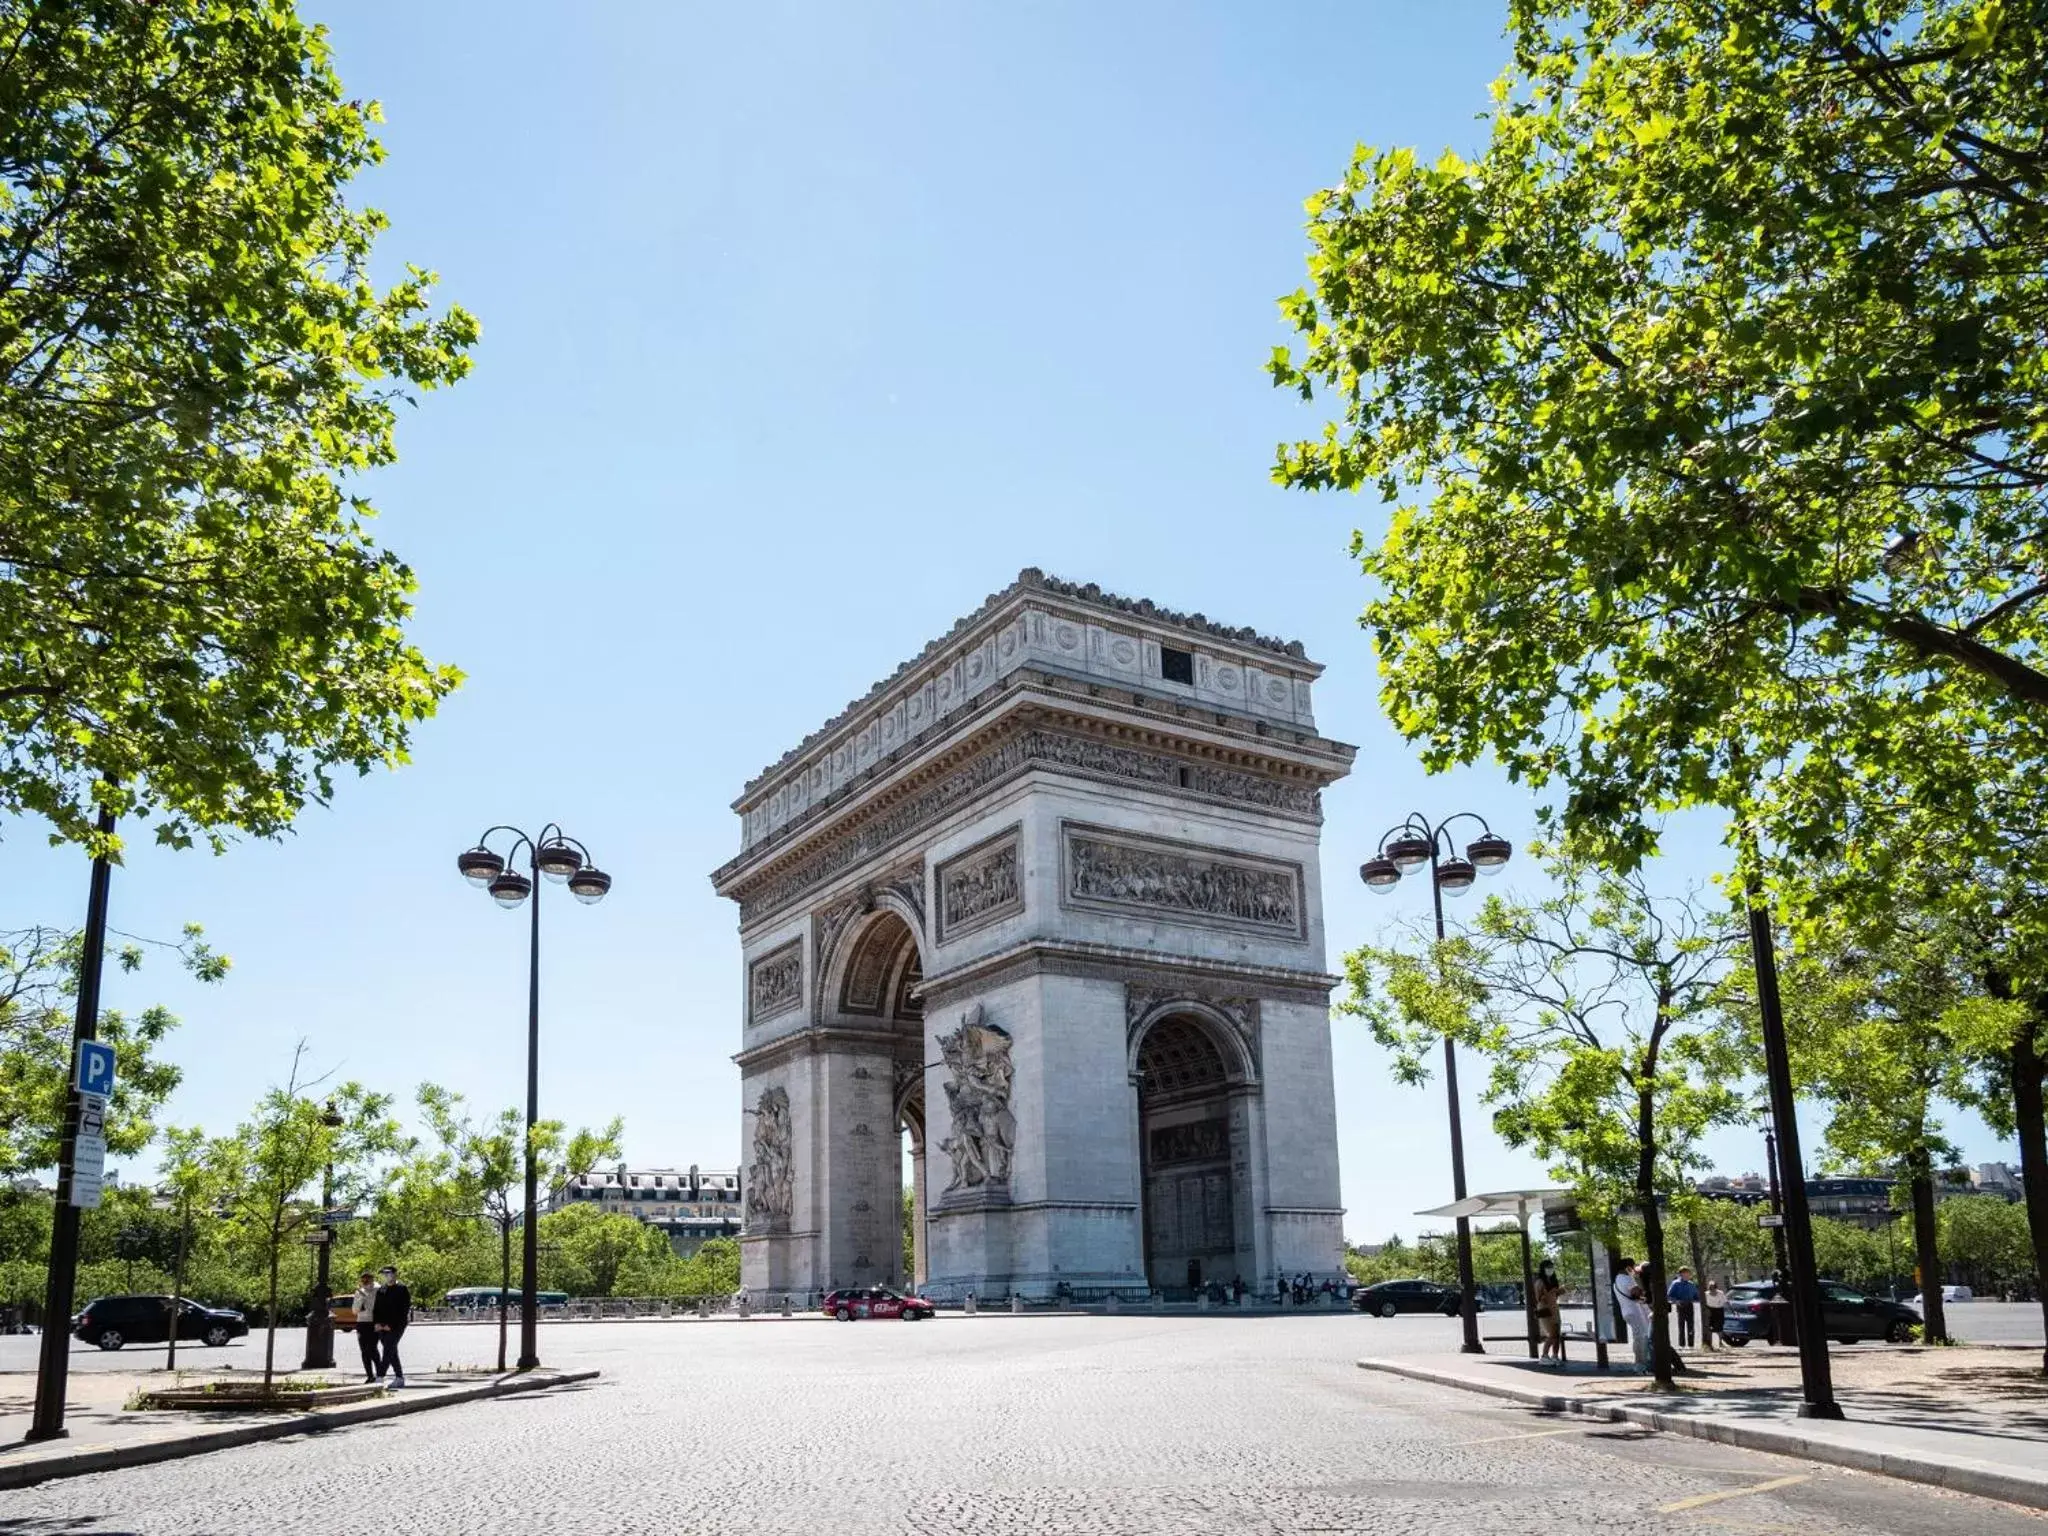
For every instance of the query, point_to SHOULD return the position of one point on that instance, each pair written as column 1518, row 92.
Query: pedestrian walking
column 1548, row 1322
column 1635, row 1310
column 365, row 1304
column 390, row 1313
column 1683, row 1295
column 1715, row 1304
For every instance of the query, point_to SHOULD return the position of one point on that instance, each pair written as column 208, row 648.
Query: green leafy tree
column 480, row 1170
column 1720, row 475
column 587, row 1251
column 196, row 627
column 1987, row 1244
column 38, row 985
column 909, row 1270
column 187, row 1176
column 1599, row 1011
column 270, row 1170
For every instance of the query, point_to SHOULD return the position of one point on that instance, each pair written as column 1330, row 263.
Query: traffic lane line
column 1700, row 1500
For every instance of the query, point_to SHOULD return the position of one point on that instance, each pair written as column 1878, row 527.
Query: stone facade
column 1049, row 900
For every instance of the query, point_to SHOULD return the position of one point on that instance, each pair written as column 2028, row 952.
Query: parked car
column 1948, row 1293
column 1846, row 1315
column 1392, row 1296
column 112, row 1321
column 876, row 1301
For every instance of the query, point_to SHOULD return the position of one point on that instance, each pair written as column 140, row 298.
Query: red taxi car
column 876, row 1301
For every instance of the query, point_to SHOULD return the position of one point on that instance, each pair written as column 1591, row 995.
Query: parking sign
column 95, row 1068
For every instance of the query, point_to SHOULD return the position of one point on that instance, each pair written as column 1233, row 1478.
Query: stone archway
column 1196, row 1195
column 872, row 986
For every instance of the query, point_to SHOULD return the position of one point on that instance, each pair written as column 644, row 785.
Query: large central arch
column 1196, row 1087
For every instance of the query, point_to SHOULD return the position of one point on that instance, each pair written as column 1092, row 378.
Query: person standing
column 1548, row 1322
column 1683, row 1294
column 390, row 1314
column 1635, row 1310
column 1715, row 1303
column 366, row 1325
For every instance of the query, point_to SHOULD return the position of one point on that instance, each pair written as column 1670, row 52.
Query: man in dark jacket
column 393, row 1310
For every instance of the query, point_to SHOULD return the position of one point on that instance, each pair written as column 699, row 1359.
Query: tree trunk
column 2027, row 1074
column 1663, row 1358
column 270, row 1313
column 178, row 1287
column 1926, row 1249
column 504, row 1284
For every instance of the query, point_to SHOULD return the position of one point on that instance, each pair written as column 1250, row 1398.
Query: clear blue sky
column 804, row 327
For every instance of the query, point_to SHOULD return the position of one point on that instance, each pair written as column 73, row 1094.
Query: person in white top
column 1715, row 1302
column 1635, row 1310
column 366, row 1336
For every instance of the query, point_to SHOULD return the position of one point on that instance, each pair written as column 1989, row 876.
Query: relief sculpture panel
column 776, row 982
column 1116, row 871
column 979, row 887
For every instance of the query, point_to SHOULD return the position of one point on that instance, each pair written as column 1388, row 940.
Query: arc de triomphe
column 1048, row 898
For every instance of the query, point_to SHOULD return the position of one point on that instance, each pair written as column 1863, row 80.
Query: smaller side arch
column 1240, row 1065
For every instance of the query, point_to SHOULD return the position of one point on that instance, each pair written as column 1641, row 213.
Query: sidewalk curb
column 1958, row 1475
column 138, row 1453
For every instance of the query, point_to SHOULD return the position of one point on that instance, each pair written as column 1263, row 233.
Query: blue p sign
column 95, row 1068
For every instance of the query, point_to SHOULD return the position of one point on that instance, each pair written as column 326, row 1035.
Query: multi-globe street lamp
column 562, row 859
column 319, row 1317
column 1409, row 846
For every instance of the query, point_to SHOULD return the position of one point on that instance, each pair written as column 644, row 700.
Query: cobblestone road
column 1188, row 1426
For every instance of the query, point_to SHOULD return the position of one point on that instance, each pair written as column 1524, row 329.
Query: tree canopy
column 1712, row 398
column 196, row 626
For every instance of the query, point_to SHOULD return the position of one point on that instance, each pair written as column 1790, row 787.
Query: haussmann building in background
column 1047, row 901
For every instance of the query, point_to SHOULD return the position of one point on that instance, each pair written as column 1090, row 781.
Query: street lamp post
column 560, row 858
column 319, row 1319
column 1409, row 846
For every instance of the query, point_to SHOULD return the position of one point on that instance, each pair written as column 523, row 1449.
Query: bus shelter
column 1516, row 1205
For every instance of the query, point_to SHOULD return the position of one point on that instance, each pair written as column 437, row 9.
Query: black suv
column 1392, row 1296
column 111, row 1321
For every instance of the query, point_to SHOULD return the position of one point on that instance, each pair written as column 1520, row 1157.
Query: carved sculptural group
column 984, row 1131
column 771, row 1176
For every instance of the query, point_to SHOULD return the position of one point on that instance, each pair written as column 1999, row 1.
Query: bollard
column 668, row 1308
column 1158, row 1302
column 1201, row 1301
column 785, row 1306
column 703, row 1306
column 967, row 1308
column 746, row 1307
column 1112, row 1301
column 1016, row 1304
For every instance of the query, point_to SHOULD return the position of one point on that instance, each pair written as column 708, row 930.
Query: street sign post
column 1768, row 1219
column 94, row 1075
column 319, row 1239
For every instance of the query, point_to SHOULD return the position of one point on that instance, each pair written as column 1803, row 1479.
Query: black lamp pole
column 559, row 857
column 319, row 1319
column 1410, row 845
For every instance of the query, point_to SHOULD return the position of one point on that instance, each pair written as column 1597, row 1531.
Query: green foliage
column 1719, row 473
column 587, row 1252
column 1985, row 1243
column 909, row 1270
column 196, row 627
column 271, row 1169
column 38, row 987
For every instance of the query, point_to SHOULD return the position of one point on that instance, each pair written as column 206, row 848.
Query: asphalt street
column 1135, row 1424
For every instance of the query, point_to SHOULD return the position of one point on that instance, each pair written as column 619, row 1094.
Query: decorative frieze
column 1199, row 1141
column 980, row 886
column 1033, row 748
column 1117, row 871
column 775, row 982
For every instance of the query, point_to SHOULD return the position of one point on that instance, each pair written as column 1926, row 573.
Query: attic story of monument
column 1048, row 902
